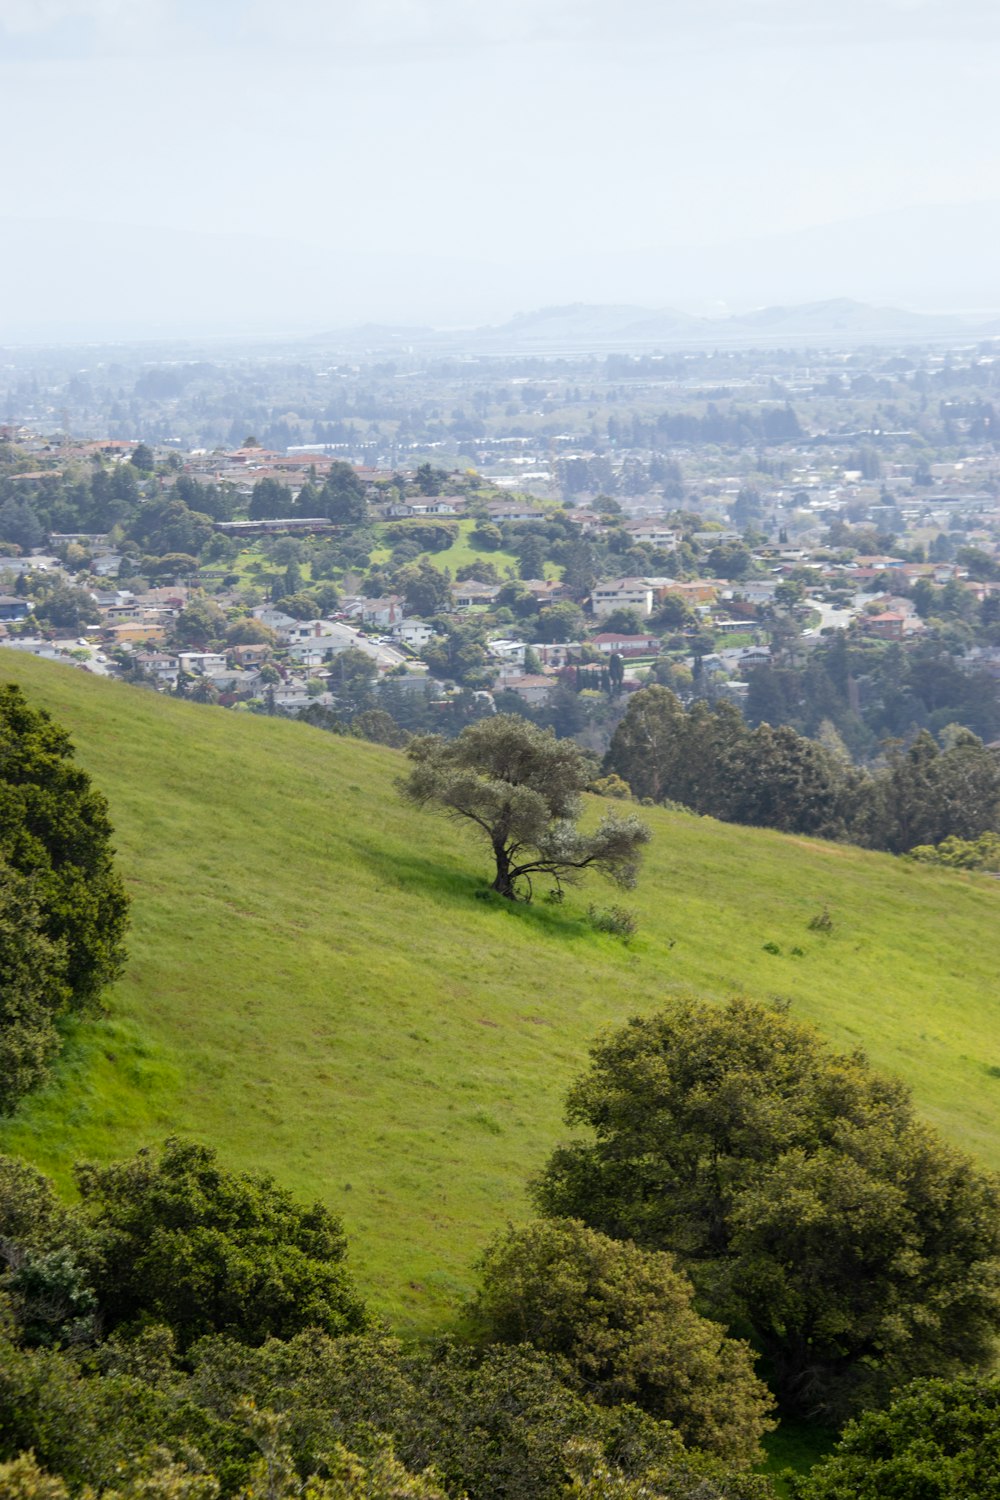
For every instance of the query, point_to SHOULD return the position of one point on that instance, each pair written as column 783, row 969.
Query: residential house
column 512, row 510
column 412, row 633
column 250, row 657
column 510, row 652
column 438, row 505
column 233, row 680
column 557, row 653
column 12, row 608
column 654, row 534
column 533, row 690
column 473, row 595
column 625, row 645
column 544, row 590
column 756, row 590
column 196, row 663
column 383, row 613
column 890, row 625
column 159, row 664
column 639, row 594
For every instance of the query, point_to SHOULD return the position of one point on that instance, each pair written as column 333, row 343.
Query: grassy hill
column 315, row 989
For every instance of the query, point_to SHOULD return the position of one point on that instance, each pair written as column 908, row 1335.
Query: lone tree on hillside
column 521, row 788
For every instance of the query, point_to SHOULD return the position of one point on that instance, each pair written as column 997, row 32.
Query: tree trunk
column 503, row 882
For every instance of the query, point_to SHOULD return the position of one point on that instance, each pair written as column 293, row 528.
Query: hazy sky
column 517, row 132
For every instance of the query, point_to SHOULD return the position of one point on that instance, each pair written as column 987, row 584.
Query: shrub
column 617, row 920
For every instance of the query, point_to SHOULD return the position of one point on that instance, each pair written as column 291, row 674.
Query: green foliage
column 929, row 794
column 33, row 992
column 496, row 1422
column 62, row 606
column 167, row 525
column 797, row 1189
column 380, row 728
column 427, row 536
column 617, row 920
column 177, row 1240
column 270, row 500
column 624, row 622
column 770, row 777
column 623, row 1319
column 939, row 1440
column 342, row 498
column 458, row 653
column 685, row 1477
column 520, row 787
column 611, row 786
column 821, row 922
column 85, row 1430
column 425, row 589
column 961, row 854
column 54, row 832
column 200, row 626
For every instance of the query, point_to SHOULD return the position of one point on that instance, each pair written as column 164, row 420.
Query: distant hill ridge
column 623, row 327
column 315, row 989
column 584, row 327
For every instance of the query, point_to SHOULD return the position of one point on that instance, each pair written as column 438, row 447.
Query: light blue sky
column 517, row 136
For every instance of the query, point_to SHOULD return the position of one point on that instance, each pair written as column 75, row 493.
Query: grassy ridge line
column 315, row 989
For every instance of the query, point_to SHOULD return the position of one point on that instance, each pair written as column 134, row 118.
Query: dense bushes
column 174, row 1239
column 171, row 1238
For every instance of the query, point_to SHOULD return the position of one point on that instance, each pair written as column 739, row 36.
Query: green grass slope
column 315, row 989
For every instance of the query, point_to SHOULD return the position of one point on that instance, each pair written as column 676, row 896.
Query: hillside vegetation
column 315, row 989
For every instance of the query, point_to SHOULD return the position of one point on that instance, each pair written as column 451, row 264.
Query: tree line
column 708, row 759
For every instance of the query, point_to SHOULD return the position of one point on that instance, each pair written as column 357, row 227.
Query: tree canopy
column 622, row 1317
column 799, row 1191
column 939, row 1438
column 520, row 787
column 54, row 832
column 176, row 1239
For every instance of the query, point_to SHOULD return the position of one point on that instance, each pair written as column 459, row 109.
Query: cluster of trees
column 189, row 1323
column 870, row 692
column 810, row 1207
column 63, row 908
column 340, row 498
column 739, row 1196
column 710, row 760
column 961, row 854
column 734, row 427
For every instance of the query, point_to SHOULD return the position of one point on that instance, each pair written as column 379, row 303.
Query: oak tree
column 520, row 788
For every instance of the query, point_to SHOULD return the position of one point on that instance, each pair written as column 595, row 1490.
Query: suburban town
column 716, row 547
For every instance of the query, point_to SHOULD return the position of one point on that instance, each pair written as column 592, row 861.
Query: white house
column 197, row 662
column 640, row 594
column 412, row 633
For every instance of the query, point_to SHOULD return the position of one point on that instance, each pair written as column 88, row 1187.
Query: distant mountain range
column 68, row 282
column 580, row 327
